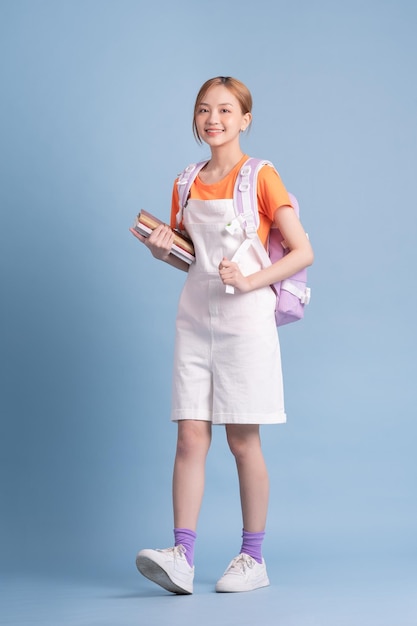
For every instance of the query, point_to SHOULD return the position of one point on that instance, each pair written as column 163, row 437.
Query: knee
column 243, row 444
column 238, row 448
column 193, row 439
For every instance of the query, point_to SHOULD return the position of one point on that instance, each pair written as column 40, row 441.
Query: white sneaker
column 243, row 574
column 168, row 568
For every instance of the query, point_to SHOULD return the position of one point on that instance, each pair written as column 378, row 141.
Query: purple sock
column 252, row 544
column 186, row 538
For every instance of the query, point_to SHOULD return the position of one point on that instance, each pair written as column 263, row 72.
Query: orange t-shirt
column 271, row 195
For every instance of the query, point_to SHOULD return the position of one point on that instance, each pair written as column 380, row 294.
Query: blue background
column 95, row 122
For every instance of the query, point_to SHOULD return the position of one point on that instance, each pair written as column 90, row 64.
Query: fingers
column 161, row 237
column 224, row 264
column 160, row 241
column 228, row 271
column 137, row 235
column 231, row 276
column 161, row 231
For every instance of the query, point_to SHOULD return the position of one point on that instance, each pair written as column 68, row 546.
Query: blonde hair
column 235, row 86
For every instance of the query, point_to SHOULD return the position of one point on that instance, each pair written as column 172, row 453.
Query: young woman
column 227, row 365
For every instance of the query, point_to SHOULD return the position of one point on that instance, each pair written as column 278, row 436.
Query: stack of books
column 182, row 247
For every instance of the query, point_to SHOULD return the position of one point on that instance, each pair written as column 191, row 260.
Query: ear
column 247, row 119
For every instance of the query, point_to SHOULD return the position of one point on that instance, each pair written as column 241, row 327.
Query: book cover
column 183, row 246
column 181, row 240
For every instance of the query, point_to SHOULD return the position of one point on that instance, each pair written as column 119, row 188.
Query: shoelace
column 178, row 551
column 241, row 562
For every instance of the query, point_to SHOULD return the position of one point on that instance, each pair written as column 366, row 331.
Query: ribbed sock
column 186, row 538
column 252, row 544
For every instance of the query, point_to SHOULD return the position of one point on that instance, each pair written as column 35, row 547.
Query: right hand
column 160, row 242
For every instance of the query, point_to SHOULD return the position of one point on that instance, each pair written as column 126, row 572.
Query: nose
column 213, row 118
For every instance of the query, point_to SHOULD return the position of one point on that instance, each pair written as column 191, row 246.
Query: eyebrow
column 222, row 104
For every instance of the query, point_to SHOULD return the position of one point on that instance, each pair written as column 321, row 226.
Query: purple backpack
column 292, row 293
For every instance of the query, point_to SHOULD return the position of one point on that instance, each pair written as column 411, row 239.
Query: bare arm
column 160, row 243
column 301, row 255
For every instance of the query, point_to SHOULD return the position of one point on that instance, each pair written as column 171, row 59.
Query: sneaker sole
column 223, row 588
column 158, row 575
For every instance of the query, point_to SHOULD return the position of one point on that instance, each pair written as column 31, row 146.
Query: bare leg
column 193, row 443
column 245, row 444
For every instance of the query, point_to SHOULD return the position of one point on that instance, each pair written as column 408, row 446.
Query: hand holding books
column 182, row 247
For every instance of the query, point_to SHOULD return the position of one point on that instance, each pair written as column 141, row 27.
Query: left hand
column 230, row 274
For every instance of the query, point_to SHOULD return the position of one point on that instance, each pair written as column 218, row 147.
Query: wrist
column 253, row 281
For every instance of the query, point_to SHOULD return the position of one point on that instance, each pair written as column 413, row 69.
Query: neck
column 223, row 160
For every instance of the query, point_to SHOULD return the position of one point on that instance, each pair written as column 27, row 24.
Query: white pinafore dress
column 227, row 361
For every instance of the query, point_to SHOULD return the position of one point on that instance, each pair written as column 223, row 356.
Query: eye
column 202, row 110
column 224, row 110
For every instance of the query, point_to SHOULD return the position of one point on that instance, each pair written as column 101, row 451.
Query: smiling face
column 219, row 118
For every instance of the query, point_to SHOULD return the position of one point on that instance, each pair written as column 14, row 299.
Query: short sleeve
column 272, row 194
column 174, row 205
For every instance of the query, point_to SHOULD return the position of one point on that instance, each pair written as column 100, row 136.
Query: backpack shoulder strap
column 246, row 195
column 184, row 182
column 245, row 202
